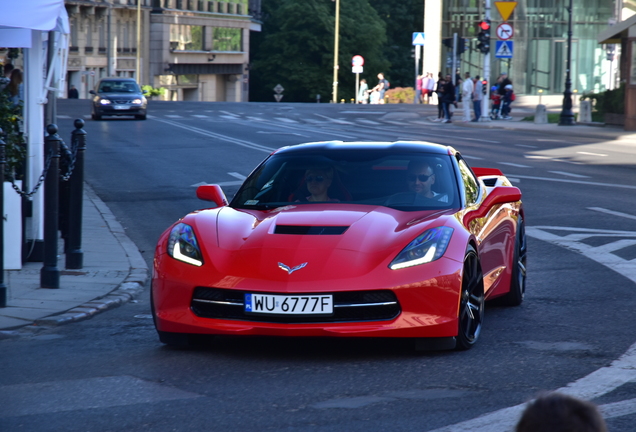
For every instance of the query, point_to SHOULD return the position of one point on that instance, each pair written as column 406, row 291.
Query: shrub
column 609, row 101
column 15, row 145
column 150, row 91
column 400, row 95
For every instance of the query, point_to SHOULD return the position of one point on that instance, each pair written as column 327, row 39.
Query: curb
column 128, row 290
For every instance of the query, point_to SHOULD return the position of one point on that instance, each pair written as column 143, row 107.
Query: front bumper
column 428, row 298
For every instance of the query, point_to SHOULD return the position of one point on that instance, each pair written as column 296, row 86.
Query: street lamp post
column 335, row 53
column 567, row 116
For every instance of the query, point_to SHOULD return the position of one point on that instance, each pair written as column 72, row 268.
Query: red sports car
column 360, row 239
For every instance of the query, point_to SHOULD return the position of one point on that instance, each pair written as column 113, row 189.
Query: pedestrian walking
column 478, row 94
column 418, row 89
column 449, row 100
column 430, row 87
column 439, row 91
column 363, row 92
column 73, row 93
column 467, row 95
column 381, row 88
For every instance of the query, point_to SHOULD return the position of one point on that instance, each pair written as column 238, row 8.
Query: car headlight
column 104, row 101
column 137, row 101
column 427, row 247
column 183, row 246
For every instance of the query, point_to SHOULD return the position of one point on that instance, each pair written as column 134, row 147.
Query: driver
column 420, row 178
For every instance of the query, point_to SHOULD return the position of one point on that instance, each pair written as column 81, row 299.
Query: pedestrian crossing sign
column 504, row 49
column 418, row 38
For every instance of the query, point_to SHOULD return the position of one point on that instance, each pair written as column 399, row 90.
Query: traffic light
column 461, row 45
column 484, row 36
column 448, row 43
column 484, row 88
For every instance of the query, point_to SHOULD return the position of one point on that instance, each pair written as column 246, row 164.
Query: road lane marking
column 582, row 182
column 285, row 119
column 280, row 133
column 565, row 173
column 237, row 175
column 200, row 116
column 482, row 140
column 514, row 165
column 236, row 141
column 611, row 212
column 173, row 116
column 526, row 146
column 592, row 154
column 598, row 383
column 472, row 157
column 333, row 120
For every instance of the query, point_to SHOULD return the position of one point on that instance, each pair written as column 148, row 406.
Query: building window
column 74, row 25
column 187, row 79
column 102, row 37
column 187, row 38
column 227, row 39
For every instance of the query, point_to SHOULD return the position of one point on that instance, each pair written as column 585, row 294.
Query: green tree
column 295, row 48
column 402, row 19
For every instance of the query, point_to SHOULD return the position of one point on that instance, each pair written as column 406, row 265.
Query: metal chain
column 28, row 195
column 71, row 155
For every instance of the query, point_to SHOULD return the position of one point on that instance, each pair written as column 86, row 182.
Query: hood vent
column 310, row 230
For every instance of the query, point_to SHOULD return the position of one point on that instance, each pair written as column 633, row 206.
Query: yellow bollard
column 353, row 100
column 540, row 94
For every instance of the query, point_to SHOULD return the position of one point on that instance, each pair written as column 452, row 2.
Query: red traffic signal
column 484, row 25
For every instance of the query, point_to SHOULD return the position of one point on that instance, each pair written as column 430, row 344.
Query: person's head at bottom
column 318, row 181
column 420, row 178
column 556, row 412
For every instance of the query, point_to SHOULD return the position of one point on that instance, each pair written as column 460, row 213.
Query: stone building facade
column 195, row 49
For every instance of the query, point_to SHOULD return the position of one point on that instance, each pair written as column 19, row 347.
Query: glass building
column 540, row 40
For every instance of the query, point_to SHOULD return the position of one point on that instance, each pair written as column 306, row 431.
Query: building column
column 433, row 33
column 630, row 82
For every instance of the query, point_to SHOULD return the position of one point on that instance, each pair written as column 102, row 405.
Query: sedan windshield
column 118, row 87
column 405, row 181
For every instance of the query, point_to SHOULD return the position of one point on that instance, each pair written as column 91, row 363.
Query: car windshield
column 404, row 181
column 118, row 87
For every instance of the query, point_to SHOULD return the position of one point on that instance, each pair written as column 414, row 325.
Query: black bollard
column 3, row 287
column 74, row 254
column 50, row 273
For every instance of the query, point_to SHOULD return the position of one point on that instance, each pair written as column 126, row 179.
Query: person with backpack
column 382, row 87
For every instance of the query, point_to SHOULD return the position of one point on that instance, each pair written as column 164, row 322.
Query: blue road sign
column 418, row 38
column 504, row 49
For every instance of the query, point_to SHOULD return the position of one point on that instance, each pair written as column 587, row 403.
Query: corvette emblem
column 290, row 270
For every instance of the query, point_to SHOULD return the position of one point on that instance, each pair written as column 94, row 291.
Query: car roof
column 389, row 147
column 117, row 79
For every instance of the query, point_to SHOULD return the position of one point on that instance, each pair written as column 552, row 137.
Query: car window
column 370, row 177
column 118, row 87
column 471, row 185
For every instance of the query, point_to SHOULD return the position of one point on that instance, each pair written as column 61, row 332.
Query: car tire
column 96, row 116
column 140, row 116
column 518, row 277
column 471, row 304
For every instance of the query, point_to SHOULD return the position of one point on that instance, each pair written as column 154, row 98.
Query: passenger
column 318, row 181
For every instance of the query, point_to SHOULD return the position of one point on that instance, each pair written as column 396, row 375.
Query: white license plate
column 310, row 304
column 121, row 107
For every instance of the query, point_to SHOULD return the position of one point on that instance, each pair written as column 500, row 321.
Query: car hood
column 334, row 243
column 119, row 95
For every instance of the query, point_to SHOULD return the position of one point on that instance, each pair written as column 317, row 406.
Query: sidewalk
column 114, row 272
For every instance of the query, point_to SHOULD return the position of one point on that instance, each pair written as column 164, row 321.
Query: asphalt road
column 110, row 373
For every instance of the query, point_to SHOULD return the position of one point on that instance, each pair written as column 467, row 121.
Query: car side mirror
column 212, row 193
column 498, row 195
column 92, row 92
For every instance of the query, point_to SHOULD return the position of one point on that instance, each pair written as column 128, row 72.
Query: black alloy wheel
column 471, row 306
column 518, row 277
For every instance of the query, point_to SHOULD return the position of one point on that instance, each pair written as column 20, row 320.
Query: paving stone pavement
column 113, row 273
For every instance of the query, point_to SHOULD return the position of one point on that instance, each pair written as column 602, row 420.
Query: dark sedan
column 118, row 97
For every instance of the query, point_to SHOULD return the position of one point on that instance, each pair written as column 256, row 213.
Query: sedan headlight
column 104, row 102
column 427, row 247
column 183, row 246
column 136, row 101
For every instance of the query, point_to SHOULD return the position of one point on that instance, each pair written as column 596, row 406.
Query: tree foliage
column 296, row 46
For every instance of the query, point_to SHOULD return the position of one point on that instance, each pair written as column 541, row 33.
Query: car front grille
column 122, row 102
column 349, row 306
